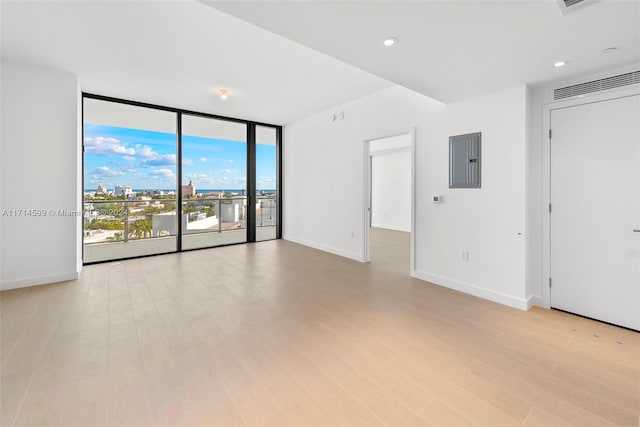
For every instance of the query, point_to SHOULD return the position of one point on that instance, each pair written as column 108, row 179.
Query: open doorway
column 389, row 202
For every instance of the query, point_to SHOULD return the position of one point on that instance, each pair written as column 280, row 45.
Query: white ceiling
column 456, row 49
column 177, row 54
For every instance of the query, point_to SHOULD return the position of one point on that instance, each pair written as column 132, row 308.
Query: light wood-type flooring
column 275, row 333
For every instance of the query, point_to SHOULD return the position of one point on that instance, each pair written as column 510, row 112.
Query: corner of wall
column 533, row 184
column 325, row 248
column 534, row 300
column 38, row 280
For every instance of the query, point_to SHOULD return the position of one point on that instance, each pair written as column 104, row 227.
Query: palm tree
column 140, row 229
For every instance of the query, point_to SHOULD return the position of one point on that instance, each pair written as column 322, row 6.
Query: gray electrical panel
column 464, row 160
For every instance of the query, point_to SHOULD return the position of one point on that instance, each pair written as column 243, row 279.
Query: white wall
column 323, row 162
column 489, row 222
column 323, row 167
column 391, row 183
column 40, row 159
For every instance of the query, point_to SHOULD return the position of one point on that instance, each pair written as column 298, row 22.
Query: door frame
column 547, row 109
column 366, row 211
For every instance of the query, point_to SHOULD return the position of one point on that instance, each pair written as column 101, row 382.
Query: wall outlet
column 465, row 255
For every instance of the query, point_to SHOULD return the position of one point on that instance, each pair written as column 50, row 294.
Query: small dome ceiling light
column 224, row 94
column 560, row 64
column 390, row 41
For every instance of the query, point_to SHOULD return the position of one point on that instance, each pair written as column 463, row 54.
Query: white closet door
column 595, row 196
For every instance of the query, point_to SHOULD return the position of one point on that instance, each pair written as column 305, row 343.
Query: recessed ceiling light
column 560, row 64
column 609, row 49
column 224, row 93
column 390, row 41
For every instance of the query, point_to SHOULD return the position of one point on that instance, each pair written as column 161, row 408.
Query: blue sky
column 147, row 160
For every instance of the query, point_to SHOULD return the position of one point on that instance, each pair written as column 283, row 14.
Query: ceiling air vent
column 567, row 6
column 597, row 85
column 569, row 3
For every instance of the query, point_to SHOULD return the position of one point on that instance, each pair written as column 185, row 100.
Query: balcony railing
column 206, row 215
column 110, row 221
column 266, row 211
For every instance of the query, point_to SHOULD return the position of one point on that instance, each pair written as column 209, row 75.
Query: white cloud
column 152, row 158
column 107, row 147
column 187, row 162
column 145, row 152
column 106, row 172
column 164, row 173
column 227, row 171
column 161, row 160
column 113, row 146
column 203, row 160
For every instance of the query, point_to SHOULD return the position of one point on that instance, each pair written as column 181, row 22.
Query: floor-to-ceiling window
column 130, row 157
column 159, row 180
column 266, row 183
column 214, row 182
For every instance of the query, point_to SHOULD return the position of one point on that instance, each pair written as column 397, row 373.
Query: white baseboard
column 351, row 255
column 41, row 280
column 392, row 227
column 467, row 288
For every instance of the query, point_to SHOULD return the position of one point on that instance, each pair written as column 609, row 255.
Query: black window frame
column 251, row 170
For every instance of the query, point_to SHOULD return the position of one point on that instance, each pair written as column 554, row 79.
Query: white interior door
column 595, row 195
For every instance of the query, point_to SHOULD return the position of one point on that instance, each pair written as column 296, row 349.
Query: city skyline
column 144, row 159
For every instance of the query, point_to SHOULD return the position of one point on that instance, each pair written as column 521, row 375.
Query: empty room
column 320, row 213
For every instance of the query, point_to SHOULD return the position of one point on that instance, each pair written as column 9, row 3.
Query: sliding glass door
column 129, row 181
column 214, row 182
column 160, row 180
column 266, row 183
